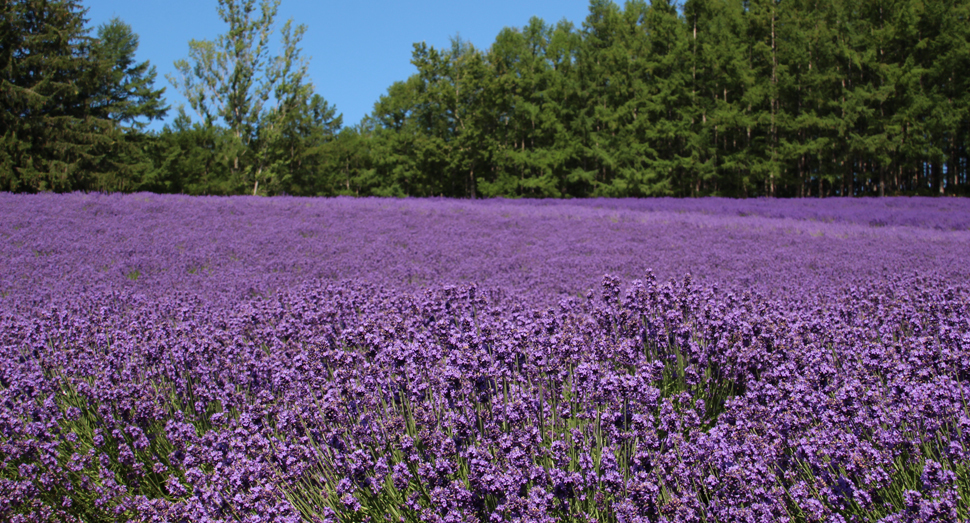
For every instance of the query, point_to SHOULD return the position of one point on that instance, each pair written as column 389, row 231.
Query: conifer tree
column 763, row 97
column 600, row 86
column 667, row 100
column 561, row 100
column 194, row 158
column 127, row 97
column 701, row 146
column 726, row 97
column 128, row 94
column 525, row 113
column 49, row 81
column 808, row 144
column 942, row 50
column 400, row 142
column 447, row 109
column 72, row 104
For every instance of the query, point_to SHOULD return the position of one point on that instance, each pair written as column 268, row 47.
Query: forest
column 737, row 98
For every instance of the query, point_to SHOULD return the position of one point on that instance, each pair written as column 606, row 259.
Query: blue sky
column 356, row 49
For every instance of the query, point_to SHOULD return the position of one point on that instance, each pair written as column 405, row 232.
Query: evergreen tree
column 727, row 97
column 300, row 149
column 49, row 81
column 807, row 88
column 701, row 146
column 128, row 93
column 193, row 158
column 399, row 142
column 597, row 118
column 72, row 103
column 762, row 17
column 524, row 115
column 942, row 49
column 667, row 103
column 561, row 107
column 444, row 110
column 127, row 97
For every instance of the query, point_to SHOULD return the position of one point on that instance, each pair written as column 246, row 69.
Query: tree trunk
column 882, row 180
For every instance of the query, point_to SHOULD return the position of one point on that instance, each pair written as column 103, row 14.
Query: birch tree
column 237, row 81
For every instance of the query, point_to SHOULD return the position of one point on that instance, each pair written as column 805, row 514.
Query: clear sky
column 356, row 49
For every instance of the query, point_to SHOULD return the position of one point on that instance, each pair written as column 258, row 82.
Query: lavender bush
column 246, row 359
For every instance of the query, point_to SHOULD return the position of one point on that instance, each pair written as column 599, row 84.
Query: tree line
column 710, row 97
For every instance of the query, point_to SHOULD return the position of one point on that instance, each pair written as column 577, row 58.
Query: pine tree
column 526, row 117
column 701, row 146
column 729, row 79
column 808, row 88
column 300, row 147
column 601, row 88
column 726, row 97
column 193, row 158
column 667, row 101
column 128, row 94
column 505, row 95
column 763, row 27
column 49, row 81
column 127, row 97
column 943, row 51
column 399, row 139
column 561, row 106
column 446, row 110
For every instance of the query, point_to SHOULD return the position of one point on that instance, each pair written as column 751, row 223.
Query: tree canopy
column 711, row 97
column 68, row 100
column 652, row 98
column 266, row 102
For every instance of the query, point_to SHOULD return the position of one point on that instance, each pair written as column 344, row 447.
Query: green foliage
column 66, row 99
column 724, row 97
column 266, row 102
column 127, row 93
column 48, row 80
column 715, row 97
column 193, row 158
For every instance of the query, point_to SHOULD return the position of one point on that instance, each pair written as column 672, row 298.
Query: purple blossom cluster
column 245, row 359
column 922, row 212
column 52, row 246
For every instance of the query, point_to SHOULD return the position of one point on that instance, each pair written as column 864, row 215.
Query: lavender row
column 921, row 212
column 232, row 248
column 347, row 402
column 237, row 359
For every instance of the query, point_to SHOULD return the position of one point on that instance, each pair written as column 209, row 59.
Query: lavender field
column 168, row 358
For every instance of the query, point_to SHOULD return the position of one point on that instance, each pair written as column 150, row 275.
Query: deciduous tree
column 237, row 81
